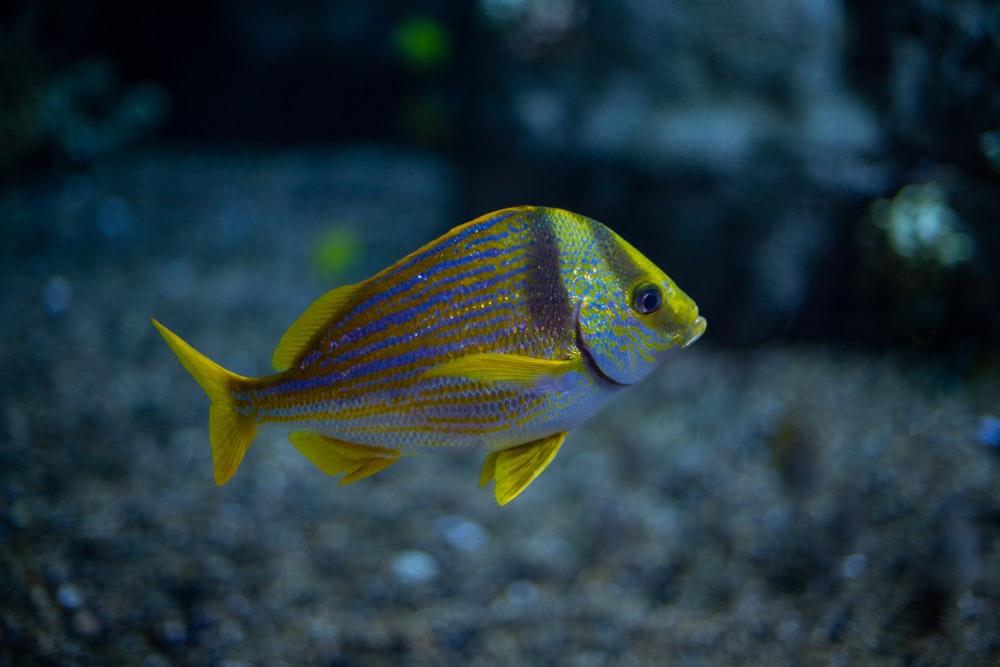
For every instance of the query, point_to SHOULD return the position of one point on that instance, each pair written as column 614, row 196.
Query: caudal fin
column 230, row 432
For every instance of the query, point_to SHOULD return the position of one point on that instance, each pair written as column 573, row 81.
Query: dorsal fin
column 295, row 339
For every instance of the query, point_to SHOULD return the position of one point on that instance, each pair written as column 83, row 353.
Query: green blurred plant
column 336, row 251
column 922, row 229
column 423, row 44
column 916, row 258
column 79, row 113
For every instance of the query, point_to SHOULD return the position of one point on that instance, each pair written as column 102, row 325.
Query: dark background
column 813, row 483
column 741, row 146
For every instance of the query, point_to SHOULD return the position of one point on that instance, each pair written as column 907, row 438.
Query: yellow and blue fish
column 502, row 334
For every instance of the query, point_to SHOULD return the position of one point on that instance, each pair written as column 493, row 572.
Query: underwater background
column 815, row 482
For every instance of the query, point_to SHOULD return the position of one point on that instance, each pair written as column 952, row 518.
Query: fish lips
column 695, row 331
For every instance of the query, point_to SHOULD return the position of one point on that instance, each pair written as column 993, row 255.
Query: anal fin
column 334, row 456
column 515, row 468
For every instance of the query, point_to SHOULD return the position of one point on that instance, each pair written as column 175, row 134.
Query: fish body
column 502, row 334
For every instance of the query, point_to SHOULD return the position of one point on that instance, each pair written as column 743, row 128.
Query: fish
column 502, row 334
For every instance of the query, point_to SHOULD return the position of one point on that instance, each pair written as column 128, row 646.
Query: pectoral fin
column 334, row 456
column 512, row 368
column 515, row 468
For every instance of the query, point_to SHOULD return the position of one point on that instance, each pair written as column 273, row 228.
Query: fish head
column 632, row 316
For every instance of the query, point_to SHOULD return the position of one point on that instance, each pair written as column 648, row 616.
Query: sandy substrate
column 787, row 505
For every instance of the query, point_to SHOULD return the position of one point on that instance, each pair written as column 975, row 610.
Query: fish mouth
column 695, row 331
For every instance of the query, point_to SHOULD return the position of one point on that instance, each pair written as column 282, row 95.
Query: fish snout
column 695, row 331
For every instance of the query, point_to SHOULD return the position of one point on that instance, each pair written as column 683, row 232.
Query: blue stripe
column 501, row 317
column 403, row 316
column 293, row 386
column 513, row 252
column 369, row 369
column 429, row 275
column 491, row 333
column 437, row 248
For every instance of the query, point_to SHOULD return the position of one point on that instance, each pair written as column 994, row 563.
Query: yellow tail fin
column 230, row 432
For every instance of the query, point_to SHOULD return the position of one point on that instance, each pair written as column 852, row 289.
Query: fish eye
column 646, row 298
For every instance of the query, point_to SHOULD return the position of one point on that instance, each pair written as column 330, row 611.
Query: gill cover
column 631, row 315
column 608, row 334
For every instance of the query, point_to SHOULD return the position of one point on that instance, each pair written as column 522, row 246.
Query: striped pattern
column 492, row 285
column 528, row 281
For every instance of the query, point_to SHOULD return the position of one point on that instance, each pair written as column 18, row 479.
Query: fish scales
column 450, row 312
column 504, row 333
